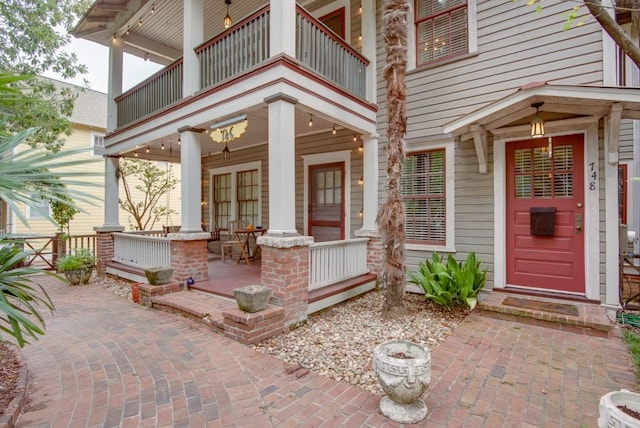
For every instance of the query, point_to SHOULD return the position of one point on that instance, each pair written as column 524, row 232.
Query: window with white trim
column 96, row 142
column 424, row 197
column 441, row 30
column 39, row 211
column 236, row 194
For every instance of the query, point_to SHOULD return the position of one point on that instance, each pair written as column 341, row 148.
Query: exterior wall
column 516, row 46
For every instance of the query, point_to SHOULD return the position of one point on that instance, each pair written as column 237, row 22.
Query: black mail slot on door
column 542, row 220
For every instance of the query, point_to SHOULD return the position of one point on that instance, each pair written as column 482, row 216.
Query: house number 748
column 593, row 176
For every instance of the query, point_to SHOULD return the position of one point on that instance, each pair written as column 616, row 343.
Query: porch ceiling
column 255, row 135
column 560, row 102
column 153, row 29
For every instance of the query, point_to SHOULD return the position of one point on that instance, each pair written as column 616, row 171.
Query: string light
column 162, row 146
column 147, row 149
column 310, row 119
column 128, row 30
column 153, row 9
column 114, row 37
column 355, row 138
column 333, row 131
column 140, row 22
column 361, row 181
column 360, row 148
column 179, row 141
column 135, row 153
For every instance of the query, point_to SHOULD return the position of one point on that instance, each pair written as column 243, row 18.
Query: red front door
column 326, row 202
column 546, row 188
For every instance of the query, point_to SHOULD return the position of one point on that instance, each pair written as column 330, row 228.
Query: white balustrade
column 141, row 250
column 335, row 261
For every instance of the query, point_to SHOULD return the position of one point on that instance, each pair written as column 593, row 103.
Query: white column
column 369, row 34
column 115, row 82
column 111, row 176
column 282, row 16
column 190, row 176
column 282, row 179
column 370, row 187
column 192, row 37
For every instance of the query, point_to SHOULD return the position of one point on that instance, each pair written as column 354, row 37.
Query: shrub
column 81, row 257
column 452, row 283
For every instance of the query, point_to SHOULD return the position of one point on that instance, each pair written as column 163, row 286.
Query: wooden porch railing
column 336, row 261
column 328, row 55
column 235, row 51
column 239, row 49
column 141, row 249
column 155, row 93
column 43, row 250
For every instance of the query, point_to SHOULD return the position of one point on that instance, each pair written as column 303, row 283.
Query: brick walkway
column 106, row 362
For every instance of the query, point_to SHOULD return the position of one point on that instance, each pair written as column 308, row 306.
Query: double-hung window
column 40, row 210
column 441, row 28
column 424, row 197
column 236, row 194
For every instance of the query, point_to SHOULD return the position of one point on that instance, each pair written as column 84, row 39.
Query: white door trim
column 591, row 202
column 319, row 159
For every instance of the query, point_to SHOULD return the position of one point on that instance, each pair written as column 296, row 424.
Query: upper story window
column 39, row 211
column 441, row 29
column 96, row 142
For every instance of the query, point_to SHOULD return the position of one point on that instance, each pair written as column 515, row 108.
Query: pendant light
column 537, row 124
column 227, row 18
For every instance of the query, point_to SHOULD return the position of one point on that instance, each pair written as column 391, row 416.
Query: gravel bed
column 338, row 342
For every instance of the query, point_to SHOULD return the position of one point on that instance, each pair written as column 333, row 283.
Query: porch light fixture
column 310, row 120
column 227, row 18
column 226, row 154
column 537, row 124
column 361, row 181
column 333, row 131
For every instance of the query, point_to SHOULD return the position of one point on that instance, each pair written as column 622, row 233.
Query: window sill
column 425, row 247
column 446, row 61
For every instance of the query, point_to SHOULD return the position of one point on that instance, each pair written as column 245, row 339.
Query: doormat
column 538, row 305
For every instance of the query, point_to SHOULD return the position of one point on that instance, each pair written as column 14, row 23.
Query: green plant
column 451, row 283
column 633, row 343
column 20, row 296
column 79, row 258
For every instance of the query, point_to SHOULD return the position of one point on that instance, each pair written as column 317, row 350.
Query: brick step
column 587, row 318
column 222, row 315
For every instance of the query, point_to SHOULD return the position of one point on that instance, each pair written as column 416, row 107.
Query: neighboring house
column 88, row 131
column 305, row 80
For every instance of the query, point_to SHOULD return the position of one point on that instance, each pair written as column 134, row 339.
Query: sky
column 96, row 58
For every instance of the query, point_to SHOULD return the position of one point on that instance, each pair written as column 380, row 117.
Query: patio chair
column 232, row 241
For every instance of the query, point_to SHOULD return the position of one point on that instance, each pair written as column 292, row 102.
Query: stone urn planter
column 403, row 370
column 252, row 298
column 79, row 276
column 620, row 409
column 158, row 275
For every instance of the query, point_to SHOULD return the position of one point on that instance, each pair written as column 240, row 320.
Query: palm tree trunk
column 391, row 214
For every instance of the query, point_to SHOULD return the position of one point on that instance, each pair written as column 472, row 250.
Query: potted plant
column 619, row 409
column 77, row 266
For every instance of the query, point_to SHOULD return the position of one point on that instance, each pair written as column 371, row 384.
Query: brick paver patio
column 106, row 362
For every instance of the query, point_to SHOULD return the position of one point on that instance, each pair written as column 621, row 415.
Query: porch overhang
column 561, row 102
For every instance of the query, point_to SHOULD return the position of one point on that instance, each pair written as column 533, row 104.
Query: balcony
column 241, row 49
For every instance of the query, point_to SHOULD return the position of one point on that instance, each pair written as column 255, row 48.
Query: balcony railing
column 335, row 261
column 234, row 52
column 328, row 55
column 238, row 50
column 155, row 93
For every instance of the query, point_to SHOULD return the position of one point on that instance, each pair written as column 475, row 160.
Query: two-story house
column 277, row 112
